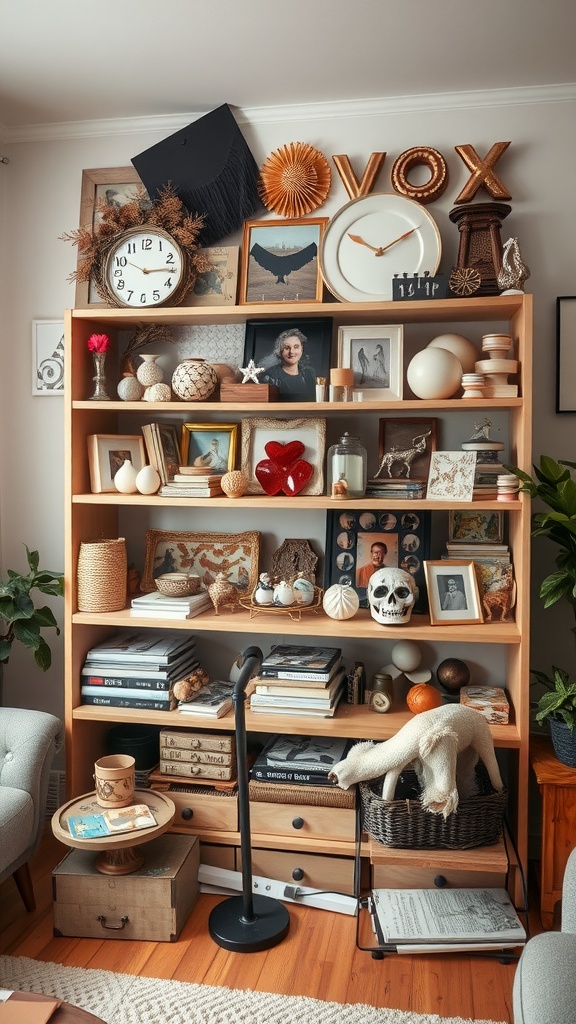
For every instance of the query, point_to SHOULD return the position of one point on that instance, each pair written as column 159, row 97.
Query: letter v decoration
column 483, row 173
column 356, row 188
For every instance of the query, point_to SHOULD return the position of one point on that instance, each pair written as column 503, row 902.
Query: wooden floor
column 318, row 958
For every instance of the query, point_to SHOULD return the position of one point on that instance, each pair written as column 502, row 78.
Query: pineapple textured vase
column 194, row 380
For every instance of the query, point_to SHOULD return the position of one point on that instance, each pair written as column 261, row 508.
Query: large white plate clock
column 374, row 237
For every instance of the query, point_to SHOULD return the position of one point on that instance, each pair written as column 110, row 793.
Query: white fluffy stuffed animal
column 440, row 744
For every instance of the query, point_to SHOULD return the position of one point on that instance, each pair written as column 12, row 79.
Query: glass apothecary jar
column 347, row 467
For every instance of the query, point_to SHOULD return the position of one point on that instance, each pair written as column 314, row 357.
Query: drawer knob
column 298, row 823
column 297, row 874
column 440, row 881
column 187, row 813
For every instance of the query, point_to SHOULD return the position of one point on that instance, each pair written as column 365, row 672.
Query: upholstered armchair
column 28, row 742
column 544, row 989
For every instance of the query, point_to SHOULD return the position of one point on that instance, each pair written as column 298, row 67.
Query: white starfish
column 251, row 372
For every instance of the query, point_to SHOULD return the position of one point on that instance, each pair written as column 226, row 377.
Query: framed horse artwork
column 405, row 447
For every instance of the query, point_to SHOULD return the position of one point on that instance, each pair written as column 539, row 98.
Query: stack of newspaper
column 445, row 920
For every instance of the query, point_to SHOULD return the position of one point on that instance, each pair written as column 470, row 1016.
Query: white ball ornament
column 464, row 350
column 303, row 591
column 406, row 655
column 341, row 601
column 283, row 595
column 434, row 373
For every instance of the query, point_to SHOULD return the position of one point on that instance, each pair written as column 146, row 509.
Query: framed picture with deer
column 405, row 447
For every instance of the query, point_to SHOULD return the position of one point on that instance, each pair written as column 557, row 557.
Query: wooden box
column 248, row 392
column 152, row 903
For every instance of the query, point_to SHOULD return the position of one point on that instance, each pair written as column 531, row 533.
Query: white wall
column 42, row 192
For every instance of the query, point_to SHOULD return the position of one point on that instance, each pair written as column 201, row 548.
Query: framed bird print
column 280, row 260
column 293, row 353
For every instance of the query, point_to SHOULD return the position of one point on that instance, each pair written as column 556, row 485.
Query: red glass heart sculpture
column 283, row 470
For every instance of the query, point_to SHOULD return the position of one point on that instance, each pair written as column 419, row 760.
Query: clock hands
column 381, row 249
column 151, row 270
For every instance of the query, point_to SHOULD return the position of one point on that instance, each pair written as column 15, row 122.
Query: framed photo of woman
column 294, row 353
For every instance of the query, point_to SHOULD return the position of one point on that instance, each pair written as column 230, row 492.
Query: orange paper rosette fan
column 294, row 180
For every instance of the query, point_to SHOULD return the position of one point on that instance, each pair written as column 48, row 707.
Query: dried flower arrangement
column 167, row 212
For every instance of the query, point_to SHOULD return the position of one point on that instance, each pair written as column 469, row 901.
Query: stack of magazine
column 137, row 670
column 299, row 760
column 160, row 606
column 299, row 680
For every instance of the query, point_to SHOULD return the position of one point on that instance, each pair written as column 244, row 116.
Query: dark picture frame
column 259, row 341
column 401, row 433
column 565, row 353
column 284, row 266
column 406, row 534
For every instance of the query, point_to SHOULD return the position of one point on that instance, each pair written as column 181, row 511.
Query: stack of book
column 159, row 606
column 400, row 488
column 299, row 760
column 155, row 449
column 188, row 754
column 299, row 680
column 137, row 670
column 192, row 482
column 213, row 700
column 488, row 465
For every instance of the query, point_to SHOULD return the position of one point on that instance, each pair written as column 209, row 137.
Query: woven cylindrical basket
column 102, row 575
column 405, row 824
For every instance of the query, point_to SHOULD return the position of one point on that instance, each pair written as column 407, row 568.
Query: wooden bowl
column 177, row 584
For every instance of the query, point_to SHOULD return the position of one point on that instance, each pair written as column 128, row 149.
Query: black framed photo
column 361, row 541
column 565, row 353
column 294, row 353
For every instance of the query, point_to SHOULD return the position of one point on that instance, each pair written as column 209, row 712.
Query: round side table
column 66, row 1013
column 117, row 855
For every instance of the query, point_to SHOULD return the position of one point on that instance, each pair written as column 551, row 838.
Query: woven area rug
column 126, row 999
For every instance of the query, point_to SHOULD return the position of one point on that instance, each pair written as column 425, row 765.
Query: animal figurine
column 403, row 456
column 440, row 744
column 223, row 593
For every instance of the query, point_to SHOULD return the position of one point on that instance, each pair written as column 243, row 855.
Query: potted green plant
column 555, row 487
column 20, row 617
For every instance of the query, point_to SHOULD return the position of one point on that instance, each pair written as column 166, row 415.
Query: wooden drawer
column 202, row 808
column 151, row 904
column 304, row 821
column 218, row 856
column 424, row 869
column 311, row 869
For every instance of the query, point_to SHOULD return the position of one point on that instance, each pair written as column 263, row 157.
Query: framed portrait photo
column 107, row 453
column 467, row 526
column 294, row 353
column 256, row 433
column 375, row 355
column 361, row 541
column 453, row 593
column 113, row 185
column 210, row 446
column 204, row 555
column 47, row 357
column 279, row 261
column 405, row 447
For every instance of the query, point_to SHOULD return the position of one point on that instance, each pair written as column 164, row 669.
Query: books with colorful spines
column 104, row 700
column 111, row 822
column 146, row 647
column 294, row 661
column 212, row 700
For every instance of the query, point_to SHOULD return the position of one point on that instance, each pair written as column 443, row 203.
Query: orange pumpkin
column 423, row 697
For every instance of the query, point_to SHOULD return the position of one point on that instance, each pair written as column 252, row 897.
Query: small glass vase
column 100, row 394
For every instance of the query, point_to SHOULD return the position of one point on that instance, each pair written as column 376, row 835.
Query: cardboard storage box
column 152, row 903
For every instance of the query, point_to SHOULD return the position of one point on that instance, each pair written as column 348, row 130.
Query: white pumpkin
column 303, row 591
column 341, row 601
column 283, row 594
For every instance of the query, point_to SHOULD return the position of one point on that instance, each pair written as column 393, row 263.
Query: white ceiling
column 74, row 60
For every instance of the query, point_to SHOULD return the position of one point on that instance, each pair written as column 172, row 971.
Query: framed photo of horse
column 405, row 447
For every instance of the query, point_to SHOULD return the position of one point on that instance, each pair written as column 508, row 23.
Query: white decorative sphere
column 303, row 591
column 130, row 389
column 158, row 393
column 283, row 595
column 434, row 373
column 406, row 655
column 464, row 350
column 147, row 480
column 341, row 601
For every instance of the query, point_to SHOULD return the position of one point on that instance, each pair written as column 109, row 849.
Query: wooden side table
column 558, row 788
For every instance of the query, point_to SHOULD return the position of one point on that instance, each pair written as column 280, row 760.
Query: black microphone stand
column 247, row 923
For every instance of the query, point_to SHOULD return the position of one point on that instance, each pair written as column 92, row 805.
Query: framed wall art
column 451, row 476
column 202, row 554
column 256, row 433
column 210, row 445
column 47, row 357
column 565, row 353
column 361, row 541
column 453, row 593
column 279, row 261
column 405, row 447
column 293, row 353
column 107, row 453
column 114, row 185
column 470, row 527
column 217, row 287
column 375, row 355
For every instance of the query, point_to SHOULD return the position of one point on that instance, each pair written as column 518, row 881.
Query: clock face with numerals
column 145, row 267
column 374, row 237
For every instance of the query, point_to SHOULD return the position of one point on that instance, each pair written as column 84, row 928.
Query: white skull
column 391, row 595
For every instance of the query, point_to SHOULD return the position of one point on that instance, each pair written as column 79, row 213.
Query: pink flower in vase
column 98, row 342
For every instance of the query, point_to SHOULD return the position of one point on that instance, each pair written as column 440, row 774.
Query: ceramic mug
column 114, row 776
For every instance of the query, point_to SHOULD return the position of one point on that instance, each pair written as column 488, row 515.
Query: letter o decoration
column 436, row 164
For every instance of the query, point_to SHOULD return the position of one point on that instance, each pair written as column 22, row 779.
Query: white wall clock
column 145, row 267
column 374, row 237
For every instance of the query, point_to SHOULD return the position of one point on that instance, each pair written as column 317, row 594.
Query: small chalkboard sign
column 406, row 287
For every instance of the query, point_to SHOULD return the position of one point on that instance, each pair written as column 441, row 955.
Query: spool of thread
column 342, row 376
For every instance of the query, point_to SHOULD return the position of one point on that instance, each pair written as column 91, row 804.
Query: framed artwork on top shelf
column 361, row 541
column 279, row 261
column 113, row 185
column 375, row 355
column 210, row 445
column 284, row 346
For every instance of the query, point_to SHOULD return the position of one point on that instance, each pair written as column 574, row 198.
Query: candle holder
column 99, row 394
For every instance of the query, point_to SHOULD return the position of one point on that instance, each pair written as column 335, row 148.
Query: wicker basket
column 102, row 575
column 405, row 824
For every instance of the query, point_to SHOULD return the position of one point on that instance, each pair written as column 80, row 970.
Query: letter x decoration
column 483, row 173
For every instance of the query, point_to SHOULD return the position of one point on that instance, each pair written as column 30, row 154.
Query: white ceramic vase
column 125, row 478
column 149, row 372
column 147, row 480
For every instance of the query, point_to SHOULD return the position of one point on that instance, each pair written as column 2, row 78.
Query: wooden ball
column 453, row 674
column 423, row 697
column 234, row 484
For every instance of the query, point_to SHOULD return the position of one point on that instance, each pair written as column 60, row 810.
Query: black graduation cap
column 212, row 170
